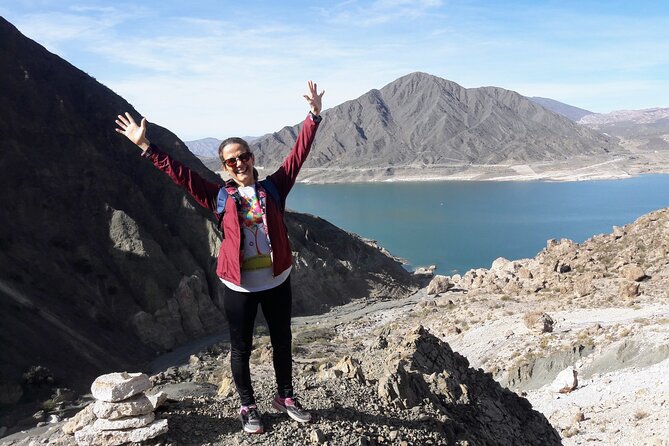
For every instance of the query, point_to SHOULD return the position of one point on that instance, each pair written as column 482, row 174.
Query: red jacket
column 206, row 193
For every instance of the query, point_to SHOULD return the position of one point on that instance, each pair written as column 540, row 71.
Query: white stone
column 439, row 284
column 92, row 437
column 115, row 387
column 82, row 419
column 53, row 419
column 565, row 381
column 137, row 405
column 500, row 263
column 157, row 399
column 317, row 436
column 124, row 423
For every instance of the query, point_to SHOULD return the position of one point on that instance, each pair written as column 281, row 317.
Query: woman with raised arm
column 255, row 258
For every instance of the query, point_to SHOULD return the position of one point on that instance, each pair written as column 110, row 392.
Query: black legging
column 241, row 309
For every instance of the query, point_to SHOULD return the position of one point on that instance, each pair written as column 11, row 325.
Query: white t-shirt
column 257, row 272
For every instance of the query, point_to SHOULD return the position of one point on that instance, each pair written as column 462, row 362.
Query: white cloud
column 215, row 107
column 205, row 74
column 370, row 14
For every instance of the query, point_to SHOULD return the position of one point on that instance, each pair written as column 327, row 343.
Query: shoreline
column 474, row 178
column 615, row 169
column 501, row 179
column 490, row 179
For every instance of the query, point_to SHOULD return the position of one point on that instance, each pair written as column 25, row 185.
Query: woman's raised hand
column 135, row 133
column 314, row 98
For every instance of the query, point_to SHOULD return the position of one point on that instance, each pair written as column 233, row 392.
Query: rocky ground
column 394, row 371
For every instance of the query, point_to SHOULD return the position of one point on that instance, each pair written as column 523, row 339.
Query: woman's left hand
column 314, row 98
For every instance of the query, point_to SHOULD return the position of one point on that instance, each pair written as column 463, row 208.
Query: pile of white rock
column 122, row 412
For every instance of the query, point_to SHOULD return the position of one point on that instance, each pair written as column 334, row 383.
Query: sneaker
column 251, row 422
column 292, row 407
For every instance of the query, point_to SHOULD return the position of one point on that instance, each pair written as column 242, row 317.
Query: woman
column 255, row 259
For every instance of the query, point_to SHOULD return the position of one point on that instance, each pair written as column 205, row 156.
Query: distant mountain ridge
column 204, row 148
column 646, row 129
column 566, row 110
column 208, row 147
column 654, row 115
column 423, row 120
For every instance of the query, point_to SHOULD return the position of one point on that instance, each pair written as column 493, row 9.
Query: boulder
column 350, row 369
column 439, row 284
column 226, row 388
column 628, row 290
column 563, row 247
column 317, row 436
column 564, row 268
column 124, row 423
column 114, row 387
column 501, row 264
column 538, row 322
column 422, row 371
column 583, row 287
column 632, row 272
column 425, row 271
column 618, row 232
column 134, row 406
column 157, row 399
column 93, row 437
column 568, row 418
column 565, row 381
column 82, row 419
column 524, row 273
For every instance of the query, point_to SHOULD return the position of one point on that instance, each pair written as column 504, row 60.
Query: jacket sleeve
column 284, row 178
column 201, row 190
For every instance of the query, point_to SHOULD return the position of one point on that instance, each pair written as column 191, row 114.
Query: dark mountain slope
column 103, row 261
column 75, row 198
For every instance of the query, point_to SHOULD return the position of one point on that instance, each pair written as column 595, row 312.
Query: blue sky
column 222, row 68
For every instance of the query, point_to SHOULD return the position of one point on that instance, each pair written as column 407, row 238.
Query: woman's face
column 241, row 171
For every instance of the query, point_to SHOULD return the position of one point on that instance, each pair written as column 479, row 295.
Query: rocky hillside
column 580, row 331
column 103, row 261
column 646, row 130
column 407, row 388
column 422, row 120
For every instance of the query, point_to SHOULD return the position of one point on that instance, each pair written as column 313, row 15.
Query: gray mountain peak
column 424, row 120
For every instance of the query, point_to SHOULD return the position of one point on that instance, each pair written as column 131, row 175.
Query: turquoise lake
column 462, row 225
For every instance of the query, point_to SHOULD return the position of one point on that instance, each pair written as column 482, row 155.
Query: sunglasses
column 244, row 157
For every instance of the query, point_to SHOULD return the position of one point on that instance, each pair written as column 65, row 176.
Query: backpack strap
column 228, row 189
column 273, row 192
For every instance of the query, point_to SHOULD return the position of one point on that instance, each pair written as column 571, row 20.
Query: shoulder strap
column 221, row 200
column 271, row 189
column 228, row 189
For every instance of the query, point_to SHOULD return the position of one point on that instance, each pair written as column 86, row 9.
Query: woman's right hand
column 135, row 133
